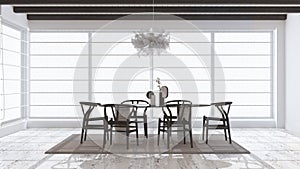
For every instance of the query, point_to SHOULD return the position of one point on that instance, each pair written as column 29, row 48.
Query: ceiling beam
column 203, row 2
column 150, row 17
column 60, row 9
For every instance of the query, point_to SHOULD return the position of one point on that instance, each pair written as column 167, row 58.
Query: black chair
column 173, row 115
column 87, row 109
column 121, row 121
column 138, row 117
column 182, row 119
column 224, row 125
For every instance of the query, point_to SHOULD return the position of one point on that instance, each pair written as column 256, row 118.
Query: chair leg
column 225, row 133
column 127, row 137
column 229, row 135
column 145, row 127
column 168, row 134
column 158, row 132
column 183, row 133
column 203, row 127
column 85, row 134
column 106, row 130
column 104, row 138
column 191, row 137
column 164, row 127
column 82, row 133
column 168, row 138
column 137, row 133
column 207, row 123
column 111, row 128
column 107, row 137
column 228, row 125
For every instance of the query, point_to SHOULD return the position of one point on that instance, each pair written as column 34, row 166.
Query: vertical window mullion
column 28, row 76
column 212, row 69
column 271, row 73
column 90, row 66
column 24, row 77
column 2, row 74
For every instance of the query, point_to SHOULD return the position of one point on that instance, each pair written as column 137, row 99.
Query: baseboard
column 74, row 123
column 295, row 133
column 12, row 127
column 53, row 123
column 253, row 123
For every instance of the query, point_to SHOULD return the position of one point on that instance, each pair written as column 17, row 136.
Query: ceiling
column 186, row 9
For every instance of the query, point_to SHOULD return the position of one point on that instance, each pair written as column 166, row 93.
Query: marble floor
column 270, row 148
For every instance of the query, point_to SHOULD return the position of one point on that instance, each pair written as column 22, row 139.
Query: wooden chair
column 225, row 125
column 121, row 121
column 176, row 115
column 140, row 118
column 87, row 109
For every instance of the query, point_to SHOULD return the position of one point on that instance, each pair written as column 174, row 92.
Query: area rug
column 93, row 145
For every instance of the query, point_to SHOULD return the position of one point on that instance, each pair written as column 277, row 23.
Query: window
column 53, row 61
column 243, row 64
column 221, row 65
column 11, row 79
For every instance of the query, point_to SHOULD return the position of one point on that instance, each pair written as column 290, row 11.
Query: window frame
column 213, row 54
column 24, row 108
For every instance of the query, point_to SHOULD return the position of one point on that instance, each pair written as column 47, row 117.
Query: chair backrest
column 182, row 108
column 134, row 102
column 184, row 112
column 178, row 102
column 87, row 108
column 124, row 111
column 108, row 108
column 221, row 105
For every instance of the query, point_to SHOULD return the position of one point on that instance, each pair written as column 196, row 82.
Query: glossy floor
column 270, row 148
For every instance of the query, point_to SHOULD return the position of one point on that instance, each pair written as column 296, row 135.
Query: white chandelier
column 151, row 43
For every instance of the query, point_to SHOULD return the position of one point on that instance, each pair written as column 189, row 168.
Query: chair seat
column 214, row 118
column 137, row 121
column 173, row 117
column 122, row 129
column 165, row 122
column 123, row 126
column 223, row 124
column 179, row 124
column 137, row 117
column 90, row 126
column 175, row 122
column 217, row 127
column 95, row 118
column 111, row 122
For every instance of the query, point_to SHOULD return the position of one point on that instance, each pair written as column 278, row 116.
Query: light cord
column 153, row 10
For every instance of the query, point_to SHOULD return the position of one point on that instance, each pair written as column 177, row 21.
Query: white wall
column 292, row 73
column 17, row 19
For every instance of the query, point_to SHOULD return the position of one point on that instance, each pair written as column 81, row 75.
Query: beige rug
column 93, row 145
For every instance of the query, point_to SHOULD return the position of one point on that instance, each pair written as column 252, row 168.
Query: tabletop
column 159, row 106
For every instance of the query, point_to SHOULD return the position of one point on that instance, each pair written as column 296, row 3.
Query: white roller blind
column 11, row 80
column 225, row 65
